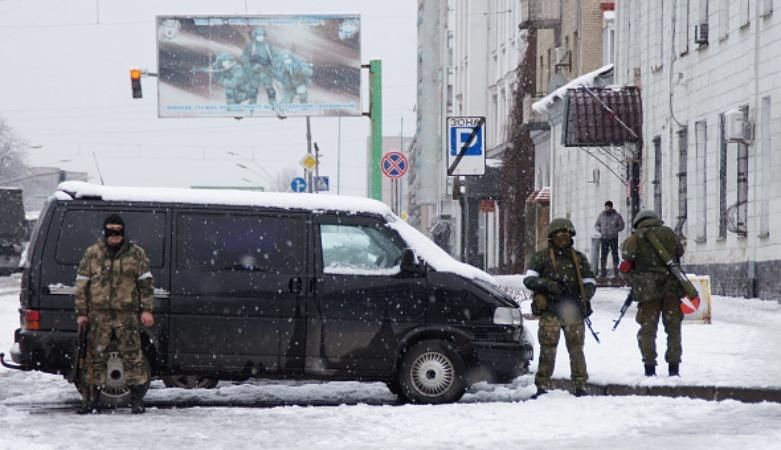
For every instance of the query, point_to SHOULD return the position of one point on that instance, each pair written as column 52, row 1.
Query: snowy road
column 36, row 408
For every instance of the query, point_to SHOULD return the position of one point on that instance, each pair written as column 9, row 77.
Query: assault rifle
column 593, row 333
column 81, row 355
column 624, row 307
column 672, row 266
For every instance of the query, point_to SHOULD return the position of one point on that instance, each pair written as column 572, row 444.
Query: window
column 723, row 19
column 608, row 38
column 657, row 142
column 359, row 250
column 741, row 205
column 701, row 157
column 702, row 11
column 82, row 228
column 744, row 14
column 722, row 179
column 765, row 149
column 683, row 27
column 239, row 242
column 766, row 7
column 683, row 155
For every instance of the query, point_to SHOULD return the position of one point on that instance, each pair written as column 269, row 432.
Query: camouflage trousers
column 114, row 331
column 548, row 334
column 668, row 306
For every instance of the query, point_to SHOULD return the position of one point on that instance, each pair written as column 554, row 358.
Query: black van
column 273, row 285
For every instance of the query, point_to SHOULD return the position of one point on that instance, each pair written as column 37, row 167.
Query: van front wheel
column 432, row 372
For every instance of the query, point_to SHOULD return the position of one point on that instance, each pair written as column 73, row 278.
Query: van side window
column 239, row 242
column 82, row 228
column 359, row 250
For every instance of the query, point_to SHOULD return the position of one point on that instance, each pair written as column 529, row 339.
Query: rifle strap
column 576, row 262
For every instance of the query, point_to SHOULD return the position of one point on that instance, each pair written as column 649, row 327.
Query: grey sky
column 66, row 88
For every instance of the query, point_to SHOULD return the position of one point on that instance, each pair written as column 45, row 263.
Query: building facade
column 709, row 74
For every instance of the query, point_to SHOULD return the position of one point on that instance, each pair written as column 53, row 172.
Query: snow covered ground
column 739, row 349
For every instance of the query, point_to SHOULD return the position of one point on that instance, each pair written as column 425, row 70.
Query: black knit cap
column 114, row 219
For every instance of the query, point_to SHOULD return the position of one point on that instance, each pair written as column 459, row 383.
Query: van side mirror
column 409, row 262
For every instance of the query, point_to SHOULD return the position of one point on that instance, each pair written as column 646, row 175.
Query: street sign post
column 394, row 165
column 466, row 146
column 298, row 185
column 322, row 183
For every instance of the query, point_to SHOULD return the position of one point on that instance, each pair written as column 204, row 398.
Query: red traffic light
column 135, row 83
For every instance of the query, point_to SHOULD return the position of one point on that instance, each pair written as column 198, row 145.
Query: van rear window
column 239, row 242
column 82, row 228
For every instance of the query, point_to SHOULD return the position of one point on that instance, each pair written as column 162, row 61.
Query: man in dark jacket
column 563, row 284
column 609, row 224
column 655, row 289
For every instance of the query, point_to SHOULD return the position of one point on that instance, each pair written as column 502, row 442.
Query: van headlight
column 504, row 315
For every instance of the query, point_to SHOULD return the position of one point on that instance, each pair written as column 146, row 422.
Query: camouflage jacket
column 122, row 283
column 542, row 270
column 650, row 277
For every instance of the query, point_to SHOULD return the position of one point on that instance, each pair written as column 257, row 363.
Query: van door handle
column 313, row 285
column 295, row 285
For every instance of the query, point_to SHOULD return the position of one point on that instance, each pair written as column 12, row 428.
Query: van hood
column 432, row 254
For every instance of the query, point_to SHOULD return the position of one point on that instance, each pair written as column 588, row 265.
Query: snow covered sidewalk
column 738, row 349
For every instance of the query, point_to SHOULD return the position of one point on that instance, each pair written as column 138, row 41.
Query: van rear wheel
column 190, row 382
column 432, row 372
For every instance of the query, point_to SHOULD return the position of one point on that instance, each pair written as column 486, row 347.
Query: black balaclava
column 113, row 219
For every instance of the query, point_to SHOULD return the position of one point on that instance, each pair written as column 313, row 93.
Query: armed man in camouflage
column 563, row 284
column 114, row 290
column 655, row 289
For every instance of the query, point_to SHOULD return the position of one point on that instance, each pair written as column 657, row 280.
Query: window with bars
column 741, row 205
column 701, row 158
column 722, row 179
column 683, row 155
column 657, row 142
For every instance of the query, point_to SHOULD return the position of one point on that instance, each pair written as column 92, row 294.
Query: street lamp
column 265, row 173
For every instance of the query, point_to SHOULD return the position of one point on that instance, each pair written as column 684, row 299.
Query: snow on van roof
column 437, row 258
column 284, row 200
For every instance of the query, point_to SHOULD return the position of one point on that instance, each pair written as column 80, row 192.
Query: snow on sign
column 394, row 165
column 466, row 146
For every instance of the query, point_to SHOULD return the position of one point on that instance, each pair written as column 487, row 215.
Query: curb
column 712, row 393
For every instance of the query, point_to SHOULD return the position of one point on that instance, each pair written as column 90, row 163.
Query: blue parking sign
column 466, row 146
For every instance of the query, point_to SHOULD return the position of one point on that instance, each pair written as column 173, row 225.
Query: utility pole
column 317, row 168
column 308, row 150
column 375, row 113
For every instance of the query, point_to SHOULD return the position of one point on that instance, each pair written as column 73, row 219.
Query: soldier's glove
column 554, row 287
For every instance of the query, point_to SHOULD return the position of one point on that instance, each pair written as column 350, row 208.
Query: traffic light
column 135, row 83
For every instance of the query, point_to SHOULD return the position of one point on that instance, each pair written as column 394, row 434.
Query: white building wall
column 740, row 66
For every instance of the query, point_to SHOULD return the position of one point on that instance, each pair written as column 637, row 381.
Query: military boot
column 540, row 391
column 90, row 402
column 673, row 369
column 137, row 399
column 581, row 392
column 650, row 370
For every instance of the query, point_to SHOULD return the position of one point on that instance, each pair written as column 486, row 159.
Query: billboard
column 259, row 66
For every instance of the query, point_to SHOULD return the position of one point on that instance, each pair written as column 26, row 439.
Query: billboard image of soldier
column 259, row 66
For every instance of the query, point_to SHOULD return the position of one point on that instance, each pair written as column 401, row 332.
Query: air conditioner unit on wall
column 701, row 33
column 737, row 128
